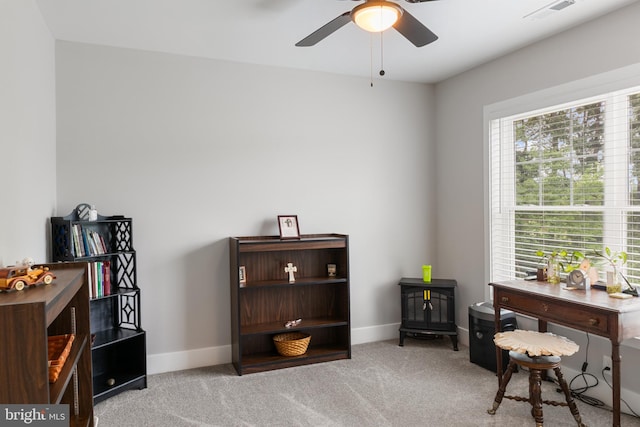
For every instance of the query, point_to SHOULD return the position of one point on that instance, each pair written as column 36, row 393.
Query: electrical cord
column 606, row 368
column 578, row 393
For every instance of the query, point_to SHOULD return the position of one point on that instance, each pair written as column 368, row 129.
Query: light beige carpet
column 424, row 383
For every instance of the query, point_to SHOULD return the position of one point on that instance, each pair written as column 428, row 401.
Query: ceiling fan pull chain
column 371, row 59
column 381, row 55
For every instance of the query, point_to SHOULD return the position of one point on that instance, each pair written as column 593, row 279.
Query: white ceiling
column 265, row 31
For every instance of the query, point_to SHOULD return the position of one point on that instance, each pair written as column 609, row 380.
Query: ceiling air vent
column 561, row 5
column 549, row 9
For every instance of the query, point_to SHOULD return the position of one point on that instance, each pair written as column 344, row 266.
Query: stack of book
column 99, row 279
column 87, row 242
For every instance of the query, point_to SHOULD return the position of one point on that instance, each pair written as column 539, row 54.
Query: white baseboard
column 188, row 359
column 209, row 356
column 374, row 333
column 463, row 336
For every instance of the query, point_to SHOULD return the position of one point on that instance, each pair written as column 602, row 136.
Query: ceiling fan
column 376, row 16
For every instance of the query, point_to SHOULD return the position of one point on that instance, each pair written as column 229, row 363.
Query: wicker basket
column 292, row 343
column 59, row 347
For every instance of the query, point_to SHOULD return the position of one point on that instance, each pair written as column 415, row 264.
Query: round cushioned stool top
column 537, row 362
column 535, row 343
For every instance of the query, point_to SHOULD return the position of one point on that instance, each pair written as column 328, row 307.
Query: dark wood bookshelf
column 261, row 306
column 29, row 317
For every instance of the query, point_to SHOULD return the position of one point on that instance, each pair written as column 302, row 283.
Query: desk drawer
column 556, row 312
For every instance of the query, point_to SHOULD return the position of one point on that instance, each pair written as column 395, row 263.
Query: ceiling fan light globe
column 376, row 16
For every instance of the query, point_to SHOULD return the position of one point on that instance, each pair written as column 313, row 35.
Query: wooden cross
column 290, row 268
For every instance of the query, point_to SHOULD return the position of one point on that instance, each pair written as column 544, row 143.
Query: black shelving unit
column 118, row 347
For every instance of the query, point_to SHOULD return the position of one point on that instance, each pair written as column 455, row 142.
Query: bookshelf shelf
column 112, row 336
column 299, row 282
column 118, row 342
column 260, row 362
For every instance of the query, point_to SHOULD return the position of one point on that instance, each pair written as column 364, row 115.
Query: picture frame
column 242, row 275
column 331, row 270
column 288, row 225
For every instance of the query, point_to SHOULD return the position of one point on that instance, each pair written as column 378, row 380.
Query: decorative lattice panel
column 129, row 311
column 126, row 271
column 61, row 242
column 123, row 236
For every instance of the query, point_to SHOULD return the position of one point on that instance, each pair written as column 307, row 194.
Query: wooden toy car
column 20, row 276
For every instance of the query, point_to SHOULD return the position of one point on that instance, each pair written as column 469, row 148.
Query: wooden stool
column 537, row 352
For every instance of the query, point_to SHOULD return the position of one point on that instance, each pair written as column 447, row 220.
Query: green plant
column 546, row 258
column 565, row 260
column 559, row 262
column 616, row 260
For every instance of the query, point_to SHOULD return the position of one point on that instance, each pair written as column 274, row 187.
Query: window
column 566, row 177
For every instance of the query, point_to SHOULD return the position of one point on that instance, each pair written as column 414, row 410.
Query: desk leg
column 542, row 325
column 615, row 361
column 498, row 328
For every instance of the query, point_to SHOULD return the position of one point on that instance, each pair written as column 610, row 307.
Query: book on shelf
column 78, row 248
column 106, row 268
column 103, row 245
column 96, row 275
column 98, row 243
column 85, row 242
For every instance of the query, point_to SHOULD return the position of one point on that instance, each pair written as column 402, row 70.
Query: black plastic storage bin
column 482, row 350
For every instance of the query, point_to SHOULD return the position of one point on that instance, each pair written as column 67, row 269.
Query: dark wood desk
column 589, row 311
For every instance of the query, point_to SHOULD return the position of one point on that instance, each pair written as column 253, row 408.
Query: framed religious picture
column 288, row 225
column 331, row 270
column 242, row 275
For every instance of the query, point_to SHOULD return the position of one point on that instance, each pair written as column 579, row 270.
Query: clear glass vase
column 614, row 282
column 553, row 271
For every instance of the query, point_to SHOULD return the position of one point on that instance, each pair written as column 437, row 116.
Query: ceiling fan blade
column 326, row 30
column 414, row 31
column 418, row 1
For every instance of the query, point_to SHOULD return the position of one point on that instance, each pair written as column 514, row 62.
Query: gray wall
column 27, row 132
column 586, row 51
column 198, row 150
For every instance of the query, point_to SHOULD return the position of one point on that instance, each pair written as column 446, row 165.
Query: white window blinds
column 566, row 178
